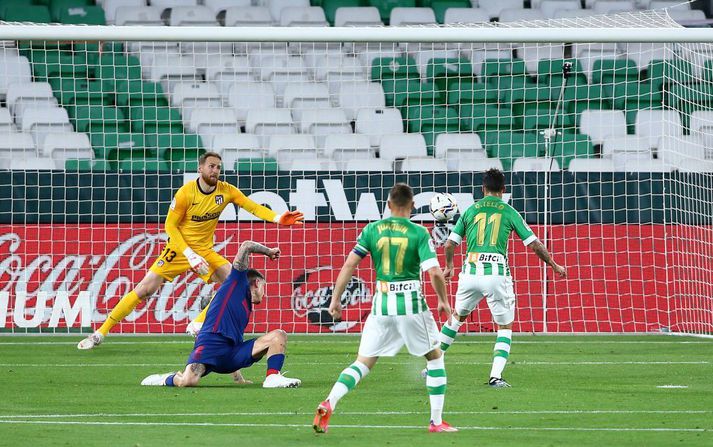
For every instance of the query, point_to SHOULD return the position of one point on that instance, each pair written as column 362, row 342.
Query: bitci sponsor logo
column 312, row 294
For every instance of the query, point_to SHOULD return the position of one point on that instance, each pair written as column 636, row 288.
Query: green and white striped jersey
column 400, row 250
column 487, row 225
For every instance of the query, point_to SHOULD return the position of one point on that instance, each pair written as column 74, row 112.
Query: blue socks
column 274, row 363
column 169, row 380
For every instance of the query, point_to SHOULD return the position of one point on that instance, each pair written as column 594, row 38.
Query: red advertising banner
column 617, row 283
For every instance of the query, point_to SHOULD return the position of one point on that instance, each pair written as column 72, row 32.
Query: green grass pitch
column 567, row 390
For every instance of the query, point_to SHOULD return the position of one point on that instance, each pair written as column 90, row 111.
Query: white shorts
column 385, row 335
column 497, row 291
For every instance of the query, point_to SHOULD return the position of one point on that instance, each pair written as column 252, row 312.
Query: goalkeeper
column 220, row 346
column 190, row 225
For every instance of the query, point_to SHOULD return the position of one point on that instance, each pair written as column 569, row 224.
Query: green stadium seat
column 662, row 72
column 405, row 93
column 568, row 146
column 502, row 67
column 58, row 6
column 330, row 7
column 138, row 93
column 155, row 120
column 385, row 7
column 86, row 53
column 76, row 91
column 115, row 146
column 607, row 71
column 472, row 93
column 432, row 120
column 480, row 117
column 102, row 119
column 633, row 95
column 394, row 68
column 441, row 6
column 533, row 116
column 144, row 165
column 509, row 86
column 707, row 74
column 83, row 15
column 256, row 165
column 449, row 73
column 582, row 97
column 687, row 98
column 12, row 4
column 117, row 67
column 28, row 13
column 177, row 147
column 87, row 165
column 509, row 146
column 53, row 63
column 549, row 72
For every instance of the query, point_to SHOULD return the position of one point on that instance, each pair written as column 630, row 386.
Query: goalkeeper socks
column 436, row 383
column 501, row 352
column 169, row 380
column 347, row 380
column 449, row 332
column 123, row 308
column 274, row 364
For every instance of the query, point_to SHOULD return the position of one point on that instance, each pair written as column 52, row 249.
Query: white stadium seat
column 168, row 4
column 671, row 5
column 613, row 6
column 550, row 7
column 225, row 69
column 28, row 94
column 517, row 14
column 701, row 121
column 195, row 94
column 355, row 96
column 682, row 151
column 624, row 143
column 245, row 96
column 138, row 15
column 493, row 7
column 418, row 164
column 313, row 164
column 285, row 148
column 31, row 164
column 67, row 146
column 638, row 162
column 456, row 147
column 591, row 165
column 277, row 6
column 378, row 122
column 477, row 165
column 653, row 124
column 600, row 124
column 110, row 7
column 397, row 146
column 573, row 14
column 266, row 122
column 192, row 16
column 280, row 71
column 336, row 69
column 15, row 146
column 532, row 54
column 6, row 122
column 171, row 69
column 535, row 164
column 41, row 121
column 411, row 16
column 303, row 16
column 348, row 147
column 218, row 6
column 211, row 121
column 357, row 16
column 311, row 95
column 643, row 53
column 466, row 15
column 248, row 16
column 324, row 122
column 688, row 16
column 366, row 165
column 234, row 147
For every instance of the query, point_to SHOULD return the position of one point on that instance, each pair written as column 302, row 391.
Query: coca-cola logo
column 312, row 294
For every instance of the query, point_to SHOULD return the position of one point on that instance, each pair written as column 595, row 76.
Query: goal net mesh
column 606, row 149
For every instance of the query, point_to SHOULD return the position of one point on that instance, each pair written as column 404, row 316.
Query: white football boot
column 280, row 381
column 156, row 379
column 90, row 342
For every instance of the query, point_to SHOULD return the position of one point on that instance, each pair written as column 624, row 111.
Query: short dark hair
column 401, row 194
column 254, row 274
column 204, row 156
column 494, row 180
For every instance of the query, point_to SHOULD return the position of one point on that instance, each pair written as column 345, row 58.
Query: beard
column 212, row 181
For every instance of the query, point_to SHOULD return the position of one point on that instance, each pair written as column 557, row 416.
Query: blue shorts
column 221, row 354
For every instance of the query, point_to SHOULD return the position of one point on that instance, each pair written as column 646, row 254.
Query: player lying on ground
column 219, row 346
column 400, row 250
column 190, row 225
column 487, row 225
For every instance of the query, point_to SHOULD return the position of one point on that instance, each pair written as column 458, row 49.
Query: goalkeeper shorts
column 171, row 263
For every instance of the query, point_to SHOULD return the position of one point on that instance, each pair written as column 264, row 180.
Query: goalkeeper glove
column 198, row 264
column 290, row 218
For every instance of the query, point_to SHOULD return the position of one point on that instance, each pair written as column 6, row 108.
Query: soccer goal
column 607, row 149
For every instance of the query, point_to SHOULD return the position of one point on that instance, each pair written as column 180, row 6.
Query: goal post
column 603, row 125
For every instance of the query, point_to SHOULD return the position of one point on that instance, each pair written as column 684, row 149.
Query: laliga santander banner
column 54, row 277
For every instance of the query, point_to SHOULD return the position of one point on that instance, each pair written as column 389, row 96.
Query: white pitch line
column 355, row 341
column 346, row 413
column 369, row 427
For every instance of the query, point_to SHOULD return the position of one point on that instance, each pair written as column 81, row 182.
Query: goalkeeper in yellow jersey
column 190, row 225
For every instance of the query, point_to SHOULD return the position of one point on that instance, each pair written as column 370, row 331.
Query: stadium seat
column 210, row 121
column 643, row 53
column 80, row 91
column 411, row 16
column 701, row 122
column 476, row 165
column 608, row 71
column 225, row 69
column 133, row 93
column 323, row 122
column 465, row 15
column 440, row 7
column 468, row 92
column 42, row 121
column 28, row 95
column 311, row 95
column 169, row 69
column 65, row 146
column 234, row 147
column 155, row 120
column 6, row 122
column 281, row 71
column 600, row 124
column 653, row 124
column 114, row 68
column 52, row 64
column 114, row 146
column 550, row 7
column 190, row 95
column 285, row 148
column 111, row 6
column 342, row 147
column 168, row 4
column 192, row 16
column 383, row 68
column 82, row 15
column 421, row 164
column 431, row 120
column 303, row 16
column 633, row 95
column 400, row 146
column 15, row 70
column 354, row 96
column 535, row 164
column 520, row 14
column 245, row 96
column 378, row 122
column 331, row 6
column 613, row 6
column 366, row 165
column 407, row 93
column 591, row 165
column 638, row 162
column 248, row 16
column 266, row 122
column 454, row 148
column 691, row 18
column 177, row 147
column 483, row 117
column 573, row 14
column 509, row 146
column 31, row 164
column 624, row 143
column 277, row 6
column 357, row 16
column 313, row 164
column 15, row 146
column 127, row 15
column 532, row 54
column 219, row 6
column 28, row 13
column 449, row 73
column 663, row 72
column 670, row 5
column 336, row 69
column 494, row 7
column 550, row 72
column 569, row 146
column 385, row 7
column 682, row 151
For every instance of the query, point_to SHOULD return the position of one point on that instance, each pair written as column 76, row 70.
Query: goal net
column 606, row 149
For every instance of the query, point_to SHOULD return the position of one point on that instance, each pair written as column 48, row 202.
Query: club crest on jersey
column 219, row 199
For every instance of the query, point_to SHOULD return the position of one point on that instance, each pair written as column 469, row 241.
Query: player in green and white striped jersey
column 487, row 225
column 400, row 251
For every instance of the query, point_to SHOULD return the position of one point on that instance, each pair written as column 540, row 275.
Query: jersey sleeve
column 427, row 252
column 257, row 210
column 522, row 229
column 458, row 230
column 176, row 213
column 362, row 246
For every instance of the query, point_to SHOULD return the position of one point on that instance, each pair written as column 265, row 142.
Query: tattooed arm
column 242, row 259
column 542, row 253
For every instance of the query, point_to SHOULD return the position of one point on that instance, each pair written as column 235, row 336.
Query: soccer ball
column 443, row 206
